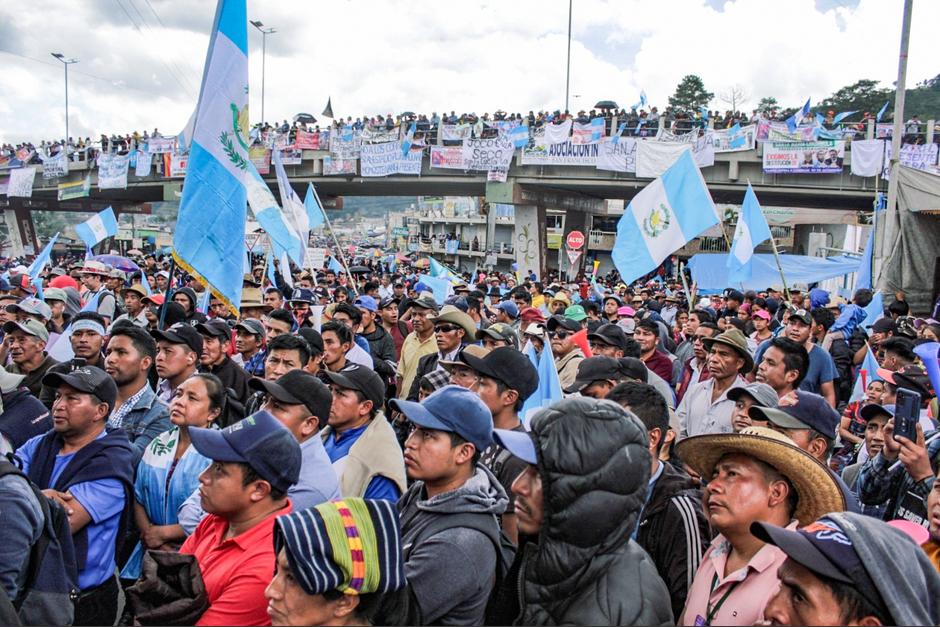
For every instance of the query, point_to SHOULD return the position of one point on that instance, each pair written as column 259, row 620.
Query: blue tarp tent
column 710, row 271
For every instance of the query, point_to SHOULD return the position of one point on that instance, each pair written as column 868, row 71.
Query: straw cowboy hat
column 818, row 492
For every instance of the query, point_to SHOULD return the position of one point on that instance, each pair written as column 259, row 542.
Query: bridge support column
column 25, row 228
column 529, row 241
column 14, row 247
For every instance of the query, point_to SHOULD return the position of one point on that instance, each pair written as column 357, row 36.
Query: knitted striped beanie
column 352, row 545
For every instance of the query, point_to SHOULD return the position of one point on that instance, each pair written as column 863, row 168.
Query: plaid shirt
column 116, row 420
column 438, row 378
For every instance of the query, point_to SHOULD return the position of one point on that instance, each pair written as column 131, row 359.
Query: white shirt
column 698, row 415
column 359, row 356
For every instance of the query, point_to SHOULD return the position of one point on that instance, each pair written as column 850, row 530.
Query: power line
column 153, row 34
column 112, row 82
column 137, row 28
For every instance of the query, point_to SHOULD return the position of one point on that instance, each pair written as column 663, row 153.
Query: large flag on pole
column 97, row 228
column 210, row 228
column 313, row 207
column 662, row 218
column 863, row 278
column 294, row 210
column 751, row 230
column 549, row 389
column 42, row 259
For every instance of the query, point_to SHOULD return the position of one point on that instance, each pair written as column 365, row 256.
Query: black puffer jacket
column 586, row 570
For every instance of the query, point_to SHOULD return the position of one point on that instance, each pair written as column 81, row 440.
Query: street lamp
column 66, row 63
column 568, row 73
column 264, row 40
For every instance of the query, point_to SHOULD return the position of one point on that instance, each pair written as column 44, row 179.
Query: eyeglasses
column 561, row 335
column 446, row 328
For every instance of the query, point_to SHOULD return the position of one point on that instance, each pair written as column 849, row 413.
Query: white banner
column 314, row 258
column 21, row 182
column 653, row 158
column 112, row 171
column 456, row 132
column 487, row 154
column 447, row 157
column 743, row 139
column 333, row 167
column 921, row 157
column 867, row 157
column 498, row 176
column 386, row 159
column 292, row 156
column 345, row 145
column 676, row 138
column 144, row 163
column 703, row 149
column 178, row 165
column 820, row 157
column 380, row 135
column 560, row 154
column 160, row 145
column 557, row 133
column 55, row 167
column 619, row 157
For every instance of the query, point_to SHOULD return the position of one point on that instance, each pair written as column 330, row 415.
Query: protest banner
column 345, row 146
column 677, row 138
column 55, row 166
column 260, row 157
column 112, row 171
column 617, row 157
column 24, row 154
column 487, row 154
column 386, row 159
column 305, row 140
column 21, row 182
column 314, row 258
column 726, row 140
column 589, row 133
column 819, row 157
column 918, row 156
column 160, row 145
column 447, row 157
column 653, row 157
column 456, row 132
column 498, row 176
column 379, row 135
column 174, row 165
column 76, row 189
column 292, row 156
column 333, row 167
column 779, row 132
column 557, row 133
column 144, row 163
column 560, row 154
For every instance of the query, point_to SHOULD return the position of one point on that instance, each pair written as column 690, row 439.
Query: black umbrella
column 606, row 104
column 359, row 270
column 306, row 118
column 408, row 114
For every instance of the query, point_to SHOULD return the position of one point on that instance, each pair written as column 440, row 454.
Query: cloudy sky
column 141, row 60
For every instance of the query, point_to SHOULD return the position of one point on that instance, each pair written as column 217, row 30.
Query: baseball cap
column 575, row 312
column 453, row 409
column 500, row 331
column 564, row 322
column 215, row 328
column 313, row 338
column 302, row 295
column 425, row 301
column 733, row 294
column 180, row 333
column 509, row 308
column 761, row 313
column 763, row 394
column 388, row 300
column 535, row 329
column 298, row 387
column 89, row 379
column 32, row 306
column 593, row 369
column 883, row 325
column 626, row 310
column 29, row 326
column 260, row 441
column 55, row 293
column 633, row 368
column 531, row 314
column 871, row 410
column 806, row 411
column 362, row 379
column 519, row 443
column 803, row 316
column 508, row 365
column 252, row 326
column 367, row 302
column 910, row 376
column 610, row 334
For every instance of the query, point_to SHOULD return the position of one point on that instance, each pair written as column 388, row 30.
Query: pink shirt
column 750, row 587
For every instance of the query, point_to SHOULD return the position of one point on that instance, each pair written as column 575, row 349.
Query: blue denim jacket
column 146, row 420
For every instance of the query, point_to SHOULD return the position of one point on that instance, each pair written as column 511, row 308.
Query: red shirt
column 660, row 363
column 235, row 571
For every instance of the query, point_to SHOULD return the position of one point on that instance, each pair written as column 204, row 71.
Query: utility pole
column 264, row 47
column 568, row 73
column 890, row 226
column 66, row 63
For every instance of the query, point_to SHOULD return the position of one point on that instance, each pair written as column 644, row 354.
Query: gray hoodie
column 906, row 579
column 453, row 571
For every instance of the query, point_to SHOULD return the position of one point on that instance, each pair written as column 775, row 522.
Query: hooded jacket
column 382, row 348
column 452, row 572
column 585, row 570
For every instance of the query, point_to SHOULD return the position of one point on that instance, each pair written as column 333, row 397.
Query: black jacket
column 382, row 348
column 842, row 356
column 585, row 569
column 675, row 532
column 233, row 377
column 426, row 364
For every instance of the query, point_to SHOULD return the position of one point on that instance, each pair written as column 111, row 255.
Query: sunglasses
column 446, row 328
column 561, row 335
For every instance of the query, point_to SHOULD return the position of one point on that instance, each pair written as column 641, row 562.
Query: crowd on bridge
column 360, row 448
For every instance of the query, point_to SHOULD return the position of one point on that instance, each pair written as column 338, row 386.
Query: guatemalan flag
column 210, row 229
column 313, row 206
column 295, row 213
column 751, row 230
column 662, row 218
column 95, row 229
column 794, row 120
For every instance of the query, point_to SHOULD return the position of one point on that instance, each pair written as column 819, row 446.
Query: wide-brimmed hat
column 95, row 267
column 252, row 297
column 818, row 491
column 470, row 349
column 451, row 314
column 736, row 340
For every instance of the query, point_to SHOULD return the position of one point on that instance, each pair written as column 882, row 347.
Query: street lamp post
column 568, row 72
column 66, row 63
column 264, row 41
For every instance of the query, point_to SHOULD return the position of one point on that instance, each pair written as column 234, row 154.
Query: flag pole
column 773, row 246
column 685, row 287
column 167, row 293
column 339, row 249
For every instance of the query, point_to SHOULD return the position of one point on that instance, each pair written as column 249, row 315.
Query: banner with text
column 726, row 140
column 819, row 157
column 161, row 145
column 487, row 154
column 379, row 135
column 306, row 140
column 456, row 132
column 334, row 167
column 292, row 156
column 921, row 157
column 76, row 189
column 590, row 133
column 779, row 132
column 447, row 157
column 619, row 157
column 260, row 157
column 386, row 159
column 21, row 182
column 345, row 146
column 175, row 165
column 112, row 171
column 55, row 167
column 560, row 154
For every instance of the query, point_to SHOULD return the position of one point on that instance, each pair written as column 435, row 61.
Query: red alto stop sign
column 575, row 240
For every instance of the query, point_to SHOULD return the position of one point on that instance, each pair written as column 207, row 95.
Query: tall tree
column 767, row 104
column 863, row 95
column 735, row 96
column 690, row 94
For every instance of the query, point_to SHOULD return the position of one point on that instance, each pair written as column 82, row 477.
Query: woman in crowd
column 852, row 427
column 169, row 471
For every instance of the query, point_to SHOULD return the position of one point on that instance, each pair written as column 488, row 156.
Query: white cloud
column 376, row 56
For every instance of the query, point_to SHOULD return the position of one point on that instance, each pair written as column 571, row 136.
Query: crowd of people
column 352, row 450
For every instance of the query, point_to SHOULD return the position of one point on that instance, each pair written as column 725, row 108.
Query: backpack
column 50, row 589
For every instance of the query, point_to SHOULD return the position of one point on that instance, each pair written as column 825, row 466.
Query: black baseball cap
column 803, row 316
column 871, row 410
column 389, row 300
column 508, row 365
column 215, row 328
column 313, row 338
column 261, row 441
column 808, row 411
column 299, row 387
column 634, row 368
column 610, row 334
column 362, row 379
column 884, row 325
column 561, row 321
column 180, row 333
column 88, row 379
column 598, row 368
column 733, row 294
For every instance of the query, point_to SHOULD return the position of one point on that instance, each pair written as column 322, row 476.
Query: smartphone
column 906, row 414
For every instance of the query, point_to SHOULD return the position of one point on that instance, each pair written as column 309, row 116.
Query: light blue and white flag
column 881, row 111
column 97, row 228
column 863, row 278
column 703, row 110
column 408, row 139
column 210, row 228
column 294, row 210
column 519, row 136
column 736, row 138
column 794, row 120
column 820, row 119
column 204, row 301
column 874, row 311
column 185, row 137
column 549, row 390
column 440, row 286
column 616, row 138
column 284, row 238
column 662, row 218
column 867, row 373
column 597, row 129
column 313, row 207
column 751, row 230
column 841, row 116
column 642, row 97
column 335, row 266
column 437, row 269
column 41, row 259
column 928, row 354
column 269, row 262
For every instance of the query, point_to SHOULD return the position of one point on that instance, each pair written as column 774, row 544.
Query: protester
column 179, row 349
column 783, row 366
column 568, row 354
column 250, row 351
column 452, row 328
column 27, row 341
column 706, row 407
column 216, row 340
column 420, row 342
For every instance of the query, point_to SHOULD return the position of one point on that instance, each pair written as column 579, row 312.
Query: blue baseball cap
column 261, row 441
column 509, row 308
column 807, row 411
column 302, row 295
column 519, row 443
column 367, row 302
column 421, row 287
column 453, row 409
